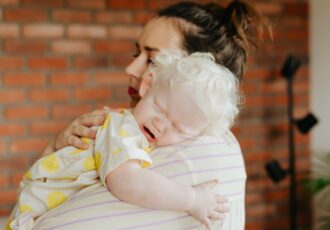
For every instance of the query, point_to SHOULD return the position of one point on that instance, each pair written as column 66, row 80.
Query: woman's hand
column 207, row 206
column 80, row 127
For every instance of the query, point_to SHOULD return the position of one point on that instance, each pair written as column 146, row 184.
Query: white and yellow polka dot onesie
column 52, row 179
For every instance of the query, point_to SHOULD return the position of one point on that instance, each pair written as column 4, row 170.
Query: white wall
column 320, row 73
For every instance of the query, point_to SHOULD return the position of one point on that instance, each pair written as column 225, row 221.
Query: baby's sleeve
column 119, row 139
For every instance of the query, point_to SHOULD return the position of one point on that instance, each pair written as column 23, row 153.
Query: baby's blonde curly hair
column 211, row 87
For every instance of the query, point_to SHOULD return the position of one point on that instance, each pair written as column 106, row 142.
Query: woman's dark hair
column 226, row 32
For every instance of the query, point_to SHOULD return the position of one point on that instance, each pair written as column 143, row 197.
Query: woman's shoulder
column 226, row 141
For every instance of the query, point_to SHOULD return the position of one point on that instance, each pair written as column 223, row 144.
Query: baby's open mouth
column 149, row 134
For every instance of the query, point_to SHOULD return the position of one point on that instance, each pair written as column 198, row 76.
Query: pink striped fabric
column 206, row 158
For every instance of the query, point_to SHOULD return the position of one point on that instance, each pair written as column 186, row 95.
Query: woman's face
column 158, row 34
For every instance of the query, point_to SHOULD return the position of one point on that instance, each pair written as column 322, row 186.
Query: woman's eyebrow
column 147, row 48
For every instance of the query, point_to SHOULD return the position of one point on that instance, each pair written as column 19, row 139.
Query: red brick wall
column 62, row 58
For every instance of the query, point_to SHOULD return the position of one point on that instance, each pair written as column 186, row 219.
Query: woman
column 227, row 34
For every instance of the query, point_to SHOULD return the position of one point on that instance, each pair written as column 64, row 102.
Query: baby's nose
column 159, row 125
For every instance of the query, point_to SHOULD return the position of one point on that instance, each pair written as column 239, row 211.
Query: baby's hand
column 207, row 206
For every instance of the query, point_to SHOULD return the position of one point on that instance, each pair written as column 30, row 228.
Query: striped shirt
column 190, row 163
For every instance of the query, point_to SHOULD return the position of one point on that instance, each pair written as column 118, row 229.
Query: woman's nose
column 136, row 69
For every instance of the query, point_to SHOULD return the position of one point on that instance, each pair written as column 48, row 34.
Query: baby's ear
column 145, row 84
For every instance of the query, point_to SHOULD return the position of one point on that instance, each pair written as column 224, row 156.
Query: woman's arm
column 142, row 187
column 80, row 127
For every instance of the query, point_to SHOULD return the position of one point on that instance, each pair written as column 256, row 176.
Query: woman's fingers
column 91, row 119
column 83, row 131
column 77, row 142
column 80, row 127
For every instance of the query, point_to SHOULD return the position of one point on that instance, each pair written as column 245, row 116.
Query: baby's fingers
column 216, row 216
column 206, row 222
column 221, row 199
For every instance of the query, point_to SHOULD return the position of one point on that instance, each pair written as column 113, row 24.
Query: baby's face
column 166, row 117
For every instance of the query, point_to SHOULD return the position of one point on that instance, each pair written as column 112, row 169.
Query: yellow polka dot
column 148, row 149
column 98, row 160
column 89, row 164
column 106, row 122
column 123, row 133
column 25, row 208
column 28, row 175
column 145, row 164
column 55, row 198
column 86, row 140
column 8, row 225
column 76, row 151
column 118, row 150
column 50, row 163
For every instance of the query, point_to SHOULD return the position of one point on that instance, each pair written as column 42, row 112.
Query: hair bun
column 245, row 20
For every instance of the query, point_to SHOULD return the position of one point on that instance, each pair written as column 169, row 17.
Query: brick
column 7, row 196
column 47, row 127
column 87, row 31
column 3, row 181
column 71, row 47
column 114, row 46
column 292, row 9
column 114, row 17
column 8, row 2
column 43, row 30
column 42, row 3
column 12, row 129
column 5, row 211
column 26, row 112
column 110, row 78
column 25, row 79
column 25, row 15
column 142, row 18
column 69, row 111
column 90, row 62
column 3, row 147
column 9, row 164
column 9, row 30
column 16, row 178
column 27, row 145
column 66, row 79
column 87, row 4
column 24, row 47
column 92, row 94
column 11, row 96
column 268, row 8
column 47, row 63
column 120, row 32
column 11, row 63
column 71, row 16
column 156, row 5
column 121, row 60
column 49, row 95
column 126, row 4
column 297, row 35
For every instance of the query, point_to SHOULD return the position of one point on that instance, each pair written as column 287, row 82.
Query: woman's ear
column 145, row 84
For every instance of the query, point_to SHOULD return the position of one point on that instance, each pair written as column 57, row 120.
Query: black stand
column 273, row 168
column 290, row 66
column 292, row 165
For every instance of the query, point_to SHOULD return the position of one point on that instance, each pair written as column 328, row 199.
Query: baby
column 183, row 97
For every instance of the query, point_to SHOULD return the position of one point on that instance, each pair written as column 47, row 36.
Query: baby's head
column 189, row 96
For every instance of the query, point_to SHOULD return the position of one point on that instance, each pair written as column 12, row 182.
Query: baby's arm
column 142, row 187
